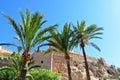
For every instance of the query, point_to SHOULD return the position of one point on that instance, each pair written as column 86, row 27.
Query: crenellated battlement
column 5, row 51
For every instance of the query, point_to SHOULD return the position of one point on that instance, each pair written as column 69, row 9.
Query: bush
column 7, row 75
column 43, row 74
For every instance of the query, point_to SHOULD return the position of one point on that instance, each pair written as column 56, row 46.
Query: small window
column 41, row 61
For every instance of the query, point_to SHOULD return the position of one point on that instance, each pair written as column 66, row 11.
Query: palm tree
column 83, row 36
column 30, row 35
column 62, row 42
column 14, row 66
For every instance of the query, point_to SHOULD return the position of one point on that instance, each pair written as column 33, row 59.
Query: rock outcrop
column 98, row 68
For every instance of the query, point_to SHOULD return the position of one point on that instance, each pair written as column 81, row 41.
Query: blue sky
column 103, row 13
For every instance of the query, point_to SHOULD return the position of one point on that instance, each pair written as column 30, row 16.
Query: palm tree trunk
column 23, row 71
column 85, row 58
column 69, row 70
column 67, row 58
column 24, row 67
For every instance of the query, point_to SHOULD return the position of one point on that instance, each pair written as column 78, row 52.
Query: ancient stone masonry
column 41, row 59
column 5, row 51
column 4, row 54
column 58, row 63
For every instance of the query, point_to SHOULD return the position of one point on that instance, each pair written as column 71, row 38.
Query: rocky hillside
column 98, row 68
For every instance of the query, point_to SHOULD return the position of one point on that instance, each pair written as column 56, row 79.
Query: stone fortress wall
column 56, row 62
column 41, row 59
column 4, row 53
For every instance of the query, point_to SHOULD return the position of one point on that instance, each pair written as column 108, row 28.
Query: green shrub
column 7, row 75
column 43, row 74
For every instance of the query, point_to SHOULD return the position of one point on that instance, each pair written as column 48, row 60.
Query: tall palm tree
column 30, row 34
column 62, row 42
column 83, row 36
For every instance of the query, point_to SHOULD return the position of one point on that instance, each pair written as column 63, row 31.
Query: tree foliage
column 43, row 74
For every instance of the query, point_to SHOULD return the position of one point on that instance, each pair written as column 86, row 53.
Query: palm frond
column 53, row 44
column 74, row 42
column 15, row 26
column 40, row 42
column 16, row 61
column 15, row 64
column 50, row 50
column 31, row 61
column 90, row 29
column 22, row 17
column 34, row 66
column 97, row 33
column 34, row 25
column 27, row 21
column 13, row 23
column 95, row 46
column 23, row 42
column 82, row 26
column 40, row 37
column 98, row 29
column 94, row 37
column 9, row 44
column 29, row 76
column 5, row 68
